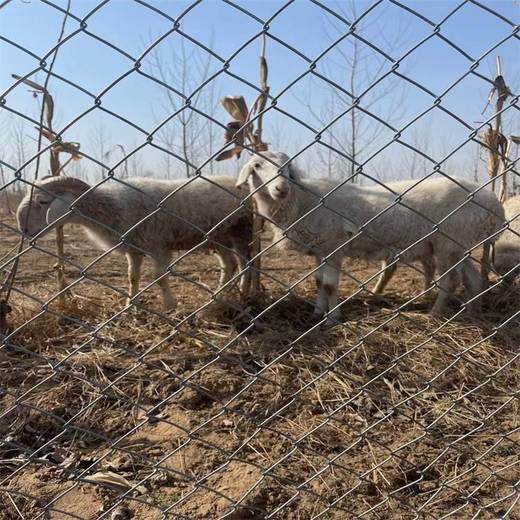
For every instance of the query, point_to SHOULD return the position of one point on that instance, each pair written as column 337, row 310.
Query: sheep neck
column 289, row 231
column 95, row 212
column 278, row 212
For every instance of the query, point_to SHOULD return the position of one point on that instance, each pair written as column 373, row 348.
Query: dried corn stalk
column 237, row 130
column 47, row 113
column 241, row 131
column 495, row 142
column 57, row 147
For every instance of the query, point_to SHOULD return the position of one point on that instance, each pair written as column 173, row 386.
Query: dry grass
column 390, row 415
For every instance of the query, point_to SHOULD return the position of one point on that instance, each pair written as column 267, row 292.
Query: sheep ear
column 59, row 207
column 244, row 174
column 294, row 173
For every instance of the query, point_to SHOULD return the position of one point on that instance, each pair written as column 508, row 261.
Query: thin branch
column 47, row 108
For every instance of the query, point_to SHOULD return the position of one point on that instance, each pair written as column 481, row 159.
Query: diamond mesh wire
column 233, row 407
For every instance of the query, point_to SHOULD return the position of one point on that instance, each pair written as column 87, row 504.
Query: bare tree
column 135, row 167
column 19, row 143
column 476, row 162
column 5, row 191
column 414, row 161
column 354, row 66
column 12, row 154
column 211, row 102
column 119, row 149
column 188, row 134
column 99, row 145
column 79, row 170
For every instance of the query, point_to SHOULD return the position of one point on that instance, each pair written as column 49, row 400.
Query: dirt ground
column 247, row 411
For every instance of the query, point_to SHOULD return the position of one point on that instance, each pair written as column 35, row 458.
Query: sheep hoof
column 329, row 323
column 474, row 308
column 333, row 319
column 438, row 312
column 316, row 317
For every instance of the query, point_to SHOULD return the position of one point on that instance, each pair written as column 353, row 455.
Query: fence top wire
column 254, row 411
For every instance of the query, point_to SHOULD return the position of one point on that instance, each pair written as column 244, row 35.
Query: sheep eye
column 256, row 165
column 44, row 202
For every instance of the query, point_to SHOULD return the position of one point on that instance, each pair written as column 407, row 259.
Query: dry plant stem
column 237, row 109
column 259, row 145
column 59, row 267
column 263, row 97
column 497, row 147
column 55, row 170
column 493, row 160
column 503, row 183
column 494, row 138
column 47, row 113
column 60, row 239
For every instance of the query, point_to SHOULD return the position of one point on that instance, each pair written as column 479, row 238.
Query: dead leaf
column 232, row 132
column 109, row 478
column 236, row 107
column 227, row 154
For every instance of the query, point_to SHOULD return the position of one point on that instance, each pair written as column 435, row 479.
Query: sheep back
column 511, row 237
column 388, row 219
column 507, row 248
column 164, row 220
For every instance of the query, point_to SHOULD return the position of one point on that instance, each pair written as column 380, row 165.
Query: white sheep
column 319, row 218
column 507, row 248
column 148, row 217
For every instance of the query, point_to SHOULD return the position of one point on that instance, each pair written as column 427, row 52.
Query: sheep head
column 50, row 200
column 268, row 174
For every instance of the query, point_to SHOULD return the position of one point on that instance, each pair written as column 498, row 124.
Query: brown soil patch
column 387, row 415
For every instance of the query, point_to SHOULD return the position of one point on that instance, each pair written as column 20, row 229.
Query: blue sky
column 303, row 25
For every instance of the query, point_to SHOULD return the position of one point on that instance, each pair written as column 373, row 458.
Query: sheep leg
column 330, row 281
column 485, row 265
column 232, row 262
column 472, row 282
column 160, row 269
column 320, row 307
column 428, row 265
column 450, row 279
column 242, row 257
column 135, row 261
column 388, row 272
column 227, row 265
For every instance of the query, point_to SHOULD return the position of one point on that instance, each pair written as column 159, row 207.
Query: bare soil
column 248, row 411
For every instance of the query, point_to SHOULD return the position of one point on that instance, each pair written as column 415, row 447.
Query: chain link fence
column 206, row 386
